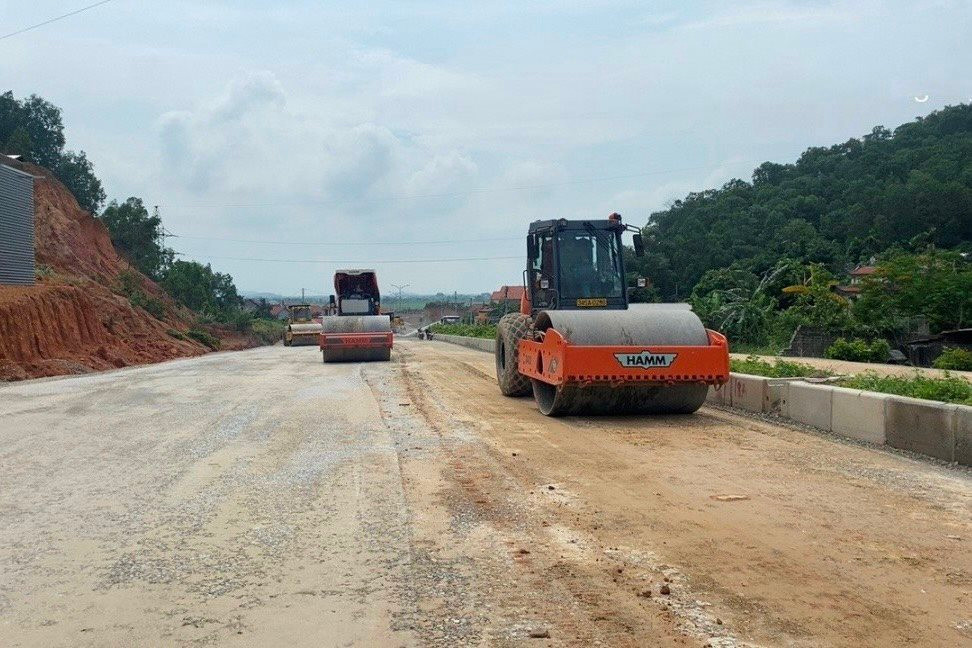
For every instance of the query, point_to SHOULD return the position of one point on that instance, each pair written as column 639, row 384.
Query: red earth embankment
column 77, row 319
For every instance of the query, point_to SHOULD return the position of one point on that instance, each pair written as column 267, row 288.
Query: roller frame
column 557, row 362
column 356, row 340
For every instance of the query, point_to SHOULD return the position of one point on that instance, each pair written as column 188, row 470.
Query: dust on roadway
column 263, row 498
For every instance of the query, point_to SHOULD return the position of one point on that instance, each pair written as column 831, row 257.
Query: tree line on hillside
column 836, row 206
column 33, row 129
column 759, row 258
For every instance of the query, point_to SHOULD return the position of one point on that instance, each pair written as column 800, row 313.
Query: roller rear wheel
column 512, row 328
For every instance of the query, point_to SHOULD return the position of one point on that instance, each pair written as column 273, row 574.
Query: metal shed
column 17, row 263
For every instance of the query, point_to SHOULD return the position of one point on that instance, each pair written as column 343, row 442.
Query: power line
column 315, row 203
column 55, row 19
column 344, row 244
column 355, row 263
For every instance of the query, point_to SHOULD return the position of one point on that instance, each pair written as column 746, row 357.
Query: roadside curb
column 480, row 344
column 939, row 430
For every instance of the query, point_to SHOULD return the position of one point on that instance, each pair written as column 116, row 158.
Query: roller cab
column 357, row 332
column 579, row 346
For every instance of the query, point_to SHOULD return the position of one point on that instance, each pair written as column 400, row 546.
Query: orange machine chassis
column 557, row 362
column 356, row 340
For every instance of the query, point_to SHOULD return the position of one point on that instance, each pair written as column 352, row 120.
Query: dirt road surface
column 262, row 498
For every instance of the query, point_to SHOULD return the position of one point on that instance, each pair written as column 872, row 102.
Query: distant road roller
column 358, row 332
column 582, row 349
column 302, row 329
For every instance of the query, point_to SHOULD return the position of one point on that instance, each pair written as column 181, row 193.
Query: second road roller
column 358, row 331
column 581, row 348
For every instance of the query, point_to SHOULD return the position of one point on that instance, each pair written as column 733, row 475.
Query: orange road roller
column 357, row 332
column 581, row 348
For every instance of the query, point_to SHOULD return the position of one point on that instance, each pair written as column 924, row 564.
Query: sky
column 283, row 140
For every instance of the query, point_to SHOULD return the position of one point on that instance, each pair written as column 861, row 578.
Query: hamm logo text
column 646, row 360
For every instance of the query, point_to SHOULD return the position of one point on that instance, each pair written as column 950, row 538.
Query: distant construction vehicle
column 301, row 330
column 579, row 346
column 358, row 331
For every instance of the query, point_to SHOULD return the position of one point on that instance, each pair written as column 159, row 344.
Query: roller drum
column 304, row 334
column 357, row 324
column 351, row 324
column 642, row 325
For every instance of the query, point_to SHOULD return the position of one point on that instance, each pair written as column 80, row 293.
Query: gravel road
column 262, row 498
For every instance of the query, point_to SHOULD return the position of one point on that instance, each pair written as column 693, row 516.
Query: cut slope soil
column 75, row 320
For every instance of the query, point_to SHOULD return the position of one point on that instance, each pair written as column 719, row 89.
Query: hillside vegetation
column 836, row 206
column 758, row 259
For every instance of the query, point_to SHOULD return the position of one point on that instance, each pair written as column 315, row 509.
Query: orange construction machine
column 580, row 346
column 357, row 332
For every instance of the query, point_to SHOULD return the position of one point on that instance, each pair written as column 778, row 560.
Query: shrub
column 268, row 330
column 955, row 359
column 857, row 350
column 176, row 334
column 487, row 331
column 204, row 337
column 950, row 389
column 130, row 285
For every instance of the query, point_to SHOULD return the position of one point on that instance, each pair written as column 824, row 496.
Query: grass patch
column 755, row 349
column 42, row 271
column 950, row 389
column 485, row 331
column 779, row 369
column 269, row 331
column 179, row 335
column 204, row 337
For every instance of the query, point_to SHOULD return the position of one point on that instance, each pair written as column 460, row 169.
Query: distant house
column 251, row 305
column 507, row 294
column 859, row 273
column 279, row 311
column 852, row 290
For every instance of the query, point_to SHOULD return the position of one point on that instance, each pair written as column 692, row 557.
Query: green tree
column 41, row 120
column 136, row 234
column 77, row 174
column 816, row 304
column 936, row 284
column 200, row 289
column 33, row 129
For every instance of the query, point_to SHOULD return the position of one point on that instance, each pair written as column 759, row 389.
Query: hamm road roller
column 358, row 331
column 302, row 329
column 582, row 349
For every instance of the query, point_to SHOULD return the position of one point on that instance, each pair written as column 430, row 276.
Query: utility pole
column 302, row 299
column 163, row 233
column 400, row 289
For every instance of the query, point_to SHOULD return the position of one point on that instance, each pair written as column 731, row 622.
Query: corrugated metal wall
column 16, row 227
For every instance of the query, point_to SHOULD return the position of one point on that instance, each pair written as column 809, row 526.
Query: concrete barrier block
column 480, row 344
column 963, row 435
column 718, row 395
column 747, row 392
column 809, row 404
column 859, row 414
column 774, row 395
column 921, row 426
